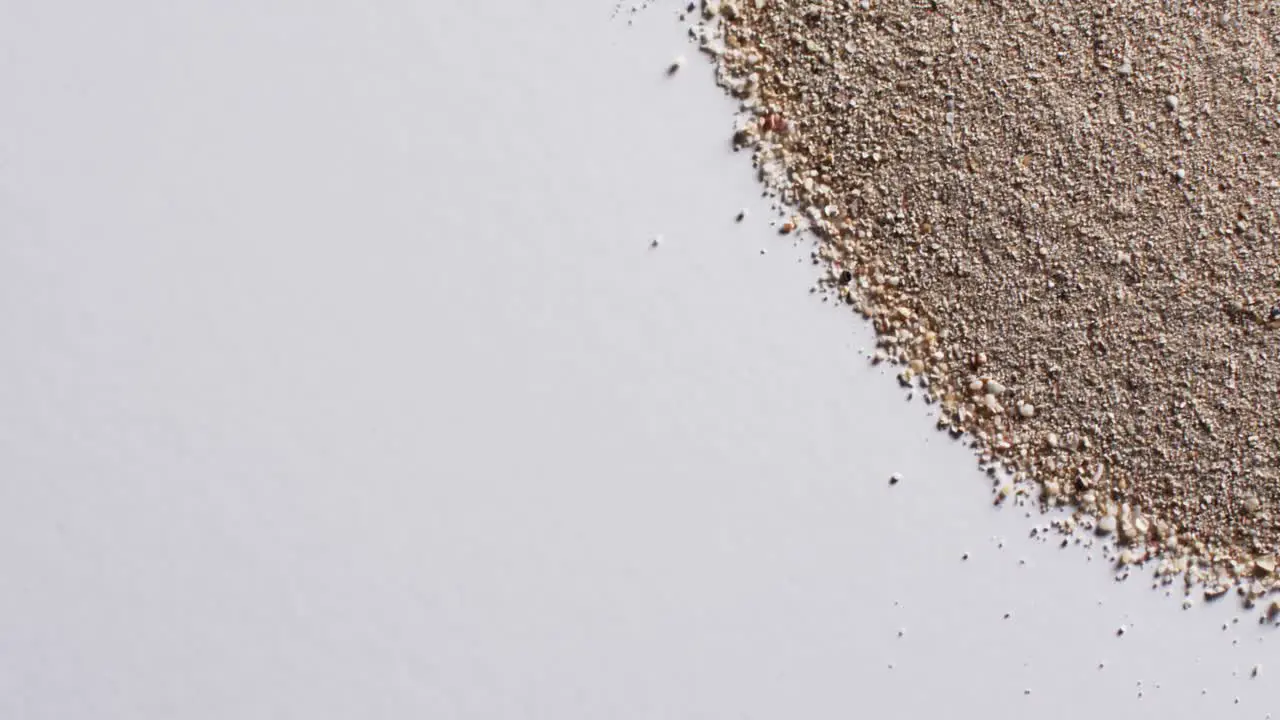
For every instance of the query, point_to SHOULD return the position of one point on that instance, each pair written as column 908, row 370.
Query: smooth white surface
column 339, row 379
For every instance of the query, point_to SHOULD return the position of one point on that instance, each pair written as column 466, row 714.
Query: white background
column 338, row 380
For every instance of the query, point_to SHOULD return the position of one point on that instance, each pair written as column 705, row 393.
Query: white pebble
column 1171, row 102
column 1027, row 410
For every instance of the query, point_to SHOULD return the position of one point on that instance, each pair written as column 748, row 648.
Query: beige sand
column 1061, row 218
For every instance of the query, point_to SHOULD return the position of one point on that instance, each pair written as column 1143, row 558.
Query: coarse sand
column 1061, row 219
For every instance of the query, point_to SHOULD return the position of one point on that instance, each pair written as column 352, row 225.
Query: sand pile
column 1061, row 218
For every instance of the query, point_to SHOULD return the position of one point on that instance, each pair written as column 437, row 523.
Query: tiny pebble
column 675, row 65
column 895, row 478
column 1171, row 102
column 742, row 215
column 1122, row 630
column 657, row 240
column 1257, row 670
